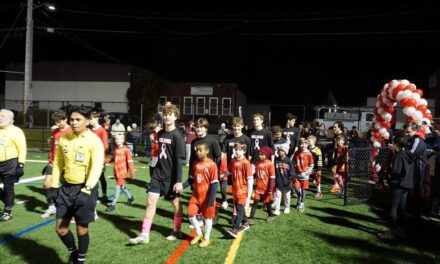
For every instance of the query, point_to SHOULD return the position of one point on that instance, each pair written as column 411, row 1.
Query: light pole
column 27, row 88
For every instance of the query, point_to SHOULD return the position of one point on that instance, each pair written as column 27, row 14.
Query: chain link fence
column 359, row 186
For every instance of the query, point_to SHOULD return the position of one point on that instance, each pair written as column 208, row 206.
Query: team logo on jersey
column 163, row 152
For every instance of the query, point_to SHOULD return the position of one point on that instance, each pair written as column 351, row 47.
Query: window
column 187, row 105
column 162, row 102
column 370, row 117
column 200, row 110
column 176, row 101
column 213, row 105
column 226, row 106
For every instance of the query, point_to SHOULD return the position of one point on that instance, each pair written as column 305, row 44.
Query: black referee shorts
column 67, row 207
column 163, row 188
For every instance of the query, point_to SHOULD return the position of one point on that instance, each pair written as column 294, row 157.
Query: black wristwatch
column 88, row 188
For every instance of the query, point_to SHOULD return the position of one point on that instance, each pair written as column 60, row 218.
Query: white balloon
column 410, row 110
column 377, row 126
column 372, row 139
column 399, row 95
column 407, row 94
column 377, row 104
column 405, row 82
column 428, row 111
column 394, row 104
column 387, row 117
column 417, row 116
column 405, row 111
column 394, row 83
column 383, row 94
column 423, row 101
column 382, row 131
column 415, row 96
column 385, row 86
column 386, row 135
column 380, row 110
column 376, row 144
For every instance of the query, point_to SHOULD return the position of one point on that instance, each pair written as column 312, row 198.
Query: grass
column 327, row 232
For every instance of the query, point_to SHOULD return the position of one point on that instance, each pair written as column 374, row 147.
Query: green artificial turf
column 327, row 232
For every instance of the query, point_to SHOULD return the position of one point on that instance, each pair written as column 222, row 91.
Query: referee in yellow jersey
column 76, row 168
column 12, row 158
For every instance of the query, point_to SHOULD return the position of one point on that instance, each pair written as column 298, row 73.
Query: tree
column 144, row 89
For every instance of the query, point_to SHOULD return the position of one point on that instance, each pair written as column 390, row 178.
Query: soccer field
column 327, row 232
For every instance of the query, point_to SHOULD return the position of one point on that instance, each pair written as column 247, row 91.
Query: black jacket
column 402, row 173
column 418, row 149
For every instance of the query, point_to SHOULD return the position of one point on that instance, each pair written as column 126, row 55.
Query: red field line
column 181, row 249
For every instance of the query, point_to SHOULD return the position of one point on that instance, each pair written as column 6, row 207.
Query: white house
column 58, row 83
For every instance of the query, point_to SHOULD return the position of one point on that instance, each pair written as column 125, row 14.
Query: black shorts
column 163, row 188
column 8, row 167
column 67, row 208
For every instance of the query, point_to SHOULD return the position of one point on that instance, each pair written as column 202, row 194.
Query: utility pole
column 27, row 88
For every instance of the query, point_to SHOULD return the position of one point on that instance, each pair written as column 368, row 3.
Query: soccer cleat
column 318, row 195
column 110, row 208
column 250, row 221
column 301, row 208
column 294, row 195
column 233, row 232
column 130, row 200
column 225, row 205
column 270, row 219
column 335, row 189
column 196, row 239
column 244, row 227
column 73, row 257
column 174, row 236
column 141, row 239
column 276, row 212
column 50, row 211
column 5, row 217
column 287, row 210
column 205, row 243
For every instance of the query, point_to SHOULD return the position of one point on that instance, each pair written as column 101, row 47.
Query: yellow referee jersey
column 80, row 157
column 12, row 144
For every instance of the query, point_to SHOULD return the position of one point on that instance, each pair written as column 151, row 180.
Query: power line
column 12, row 27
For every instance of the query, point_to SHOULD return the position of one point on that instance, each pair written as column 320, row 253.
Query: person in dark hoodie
column 417, row 147
column 401, row 182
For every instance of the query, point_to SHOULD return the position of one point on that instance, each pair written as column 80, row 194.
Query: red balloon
column 380, row 119
column 428, row 115
column 399, row 88
column 404, row 102
column 422, row 108
column 410, row 87
column 409, row 119
column 386, row 125
column 411, row 102
column 376, row 135
column 419, row 92
column 389, row 109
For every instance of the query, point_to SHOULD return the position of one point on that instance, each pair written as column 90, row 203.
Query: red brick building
column 217, row 102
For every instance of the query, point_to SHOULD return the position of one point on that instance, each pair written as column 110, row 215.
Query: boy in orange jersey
column 204, row 180
column 123, row 163
column 265, row 174
column 304, row 166
column 340, row 169
column 242, row 183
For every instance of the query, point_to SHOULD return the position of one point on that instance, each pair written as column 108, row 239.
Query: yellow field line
column 233, row 249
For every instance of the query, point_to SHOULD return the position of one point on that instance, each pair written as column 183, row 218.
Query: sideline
column 37, row 178
column 30, row 229
column 181, row 249
column 234, row 249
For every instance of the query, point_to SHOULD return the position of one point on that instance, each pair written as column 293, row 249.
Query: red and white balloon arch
column 415, row 107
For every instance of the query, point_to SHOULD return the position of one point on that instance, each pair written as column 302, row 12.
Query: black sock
column 254, row 209
column 83, row 246
column 69, row 241
column 224, row 187
column 269, row 208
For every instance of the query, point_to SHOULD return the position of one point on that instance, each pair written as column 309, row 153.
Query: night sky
column 307, row 50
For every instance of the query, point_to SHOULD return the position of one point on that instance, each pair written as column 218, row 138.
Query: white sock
column 319, row 188
column 208, row 228
column 196, row 225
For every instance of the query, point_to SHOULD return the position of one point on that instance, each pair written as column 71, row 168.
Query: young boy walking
column 304, row 166
column 204, row 181
column 265, row 183
column 284, row 173
column 317, row 168
column 242, row 184
column 123, row 163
